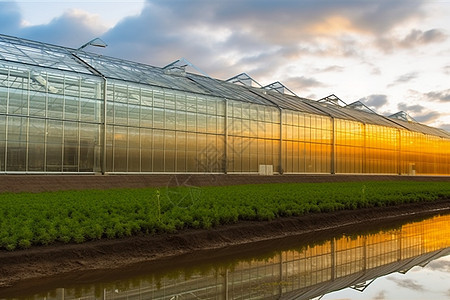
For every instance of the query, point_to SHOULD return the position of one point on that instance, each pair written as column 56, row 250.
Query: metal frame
column 39, row 56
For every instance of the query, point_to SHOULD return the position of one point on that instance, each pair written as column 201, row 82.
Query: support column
column 333, row 146
column 280, row 170
column 105, row 100
column 399, row 166
column 225, row 285
column 364, row 158
column 333, row 260
column 225, row 152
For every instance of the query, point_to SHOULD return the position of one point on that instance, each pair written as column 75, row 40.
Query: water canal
column 408, row 260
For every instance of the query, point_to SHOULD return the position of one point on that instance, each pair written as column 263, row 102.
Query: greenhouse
column 66, row 110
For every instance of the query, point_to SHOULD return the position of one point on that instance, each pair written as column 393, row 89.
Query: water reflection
column 304, row 270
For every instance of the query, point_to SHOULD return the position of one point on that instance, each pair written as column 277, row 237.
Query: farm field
column 35, row 219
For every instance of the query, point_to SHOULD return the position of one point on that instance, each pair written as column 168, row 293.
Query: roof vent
column 332, row 99
column 244, row 79
column 358, row 105
column 279, row 87
column 178, row 68
column 401, row 115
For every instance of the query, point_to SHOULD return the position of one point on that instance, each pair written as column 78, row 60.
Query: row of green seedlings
column 76, row 217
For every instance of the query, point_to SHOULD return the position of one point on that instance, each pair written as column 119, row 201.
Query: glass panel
column 191, row 161
column 146, row 116
column 18, row 102
column 158, row 118
column 133, row 115
column 146, row 152
column 16, row 156
column 54, row 157
column 181, row 102
column 54, row 132
column 55, row 106
column 146, row 97
column 2, row 142
column 71, row 107
column 36, row 148
column 120, row 159
column 3, row 98
column 169, row 100
column 70, row 163
column 201, row 123
column 120, row 137
column 191, row 122
column 158, row 161
column 211, row 106
column 170, row 119
column 253, row 153
column 37, row 104
column 110, row 149
column 191, row 103
column 158, row 139
column 158, row 98
column 90, row 110
column 201, row 105
column 169, row 140
column 211, row 124
column 120, row 113
column 181, row 152
column 134, row 160
column 72, row 87
column 169, row 161
column 191, row 144
column 89, row 148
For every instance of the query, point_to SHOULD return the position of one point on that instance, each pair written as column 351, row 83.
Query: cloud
column 447, row 70
column 419, row 37
column 440, row 265
column 441, row 96
column 446, row 127
column 405, row 78
column 334, row 68
column 408, row 284
column 302, row 83
column 415, row 38
column 10, row 18
column 374, row 101
column 428, row 117
column 72, row 29
column 243, row 36
column 420, row 113
column 410, row 108
column 381, row 295
column 230, row 36
column 382, row 16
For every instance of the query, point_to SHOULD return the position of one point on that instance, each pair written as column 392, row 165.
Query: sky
column 391, row 55
column 429, row 282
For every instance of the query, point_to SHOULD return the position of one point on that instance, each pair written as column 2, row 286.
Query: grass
column 28, row 219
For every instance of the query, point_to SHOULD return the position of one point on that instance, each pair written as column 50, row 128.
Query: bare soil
column 44, row 183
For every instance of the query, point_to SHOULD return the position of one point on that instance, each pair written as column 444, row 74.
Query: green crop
column 28, row 219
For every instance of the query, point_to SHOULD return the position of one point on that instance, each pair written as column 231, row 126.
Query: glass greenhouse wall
column 63, row 111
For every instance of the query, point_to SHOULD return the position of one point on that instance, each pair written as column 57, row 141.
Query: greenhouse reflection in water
column 410, row 253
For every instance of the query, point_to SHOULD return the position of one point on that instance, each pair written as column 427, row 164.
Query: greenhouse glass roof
column 22, row 51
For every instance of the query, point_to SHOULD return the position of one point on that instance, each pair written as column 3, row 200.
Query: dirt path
column 17, row 268
column 43, row 183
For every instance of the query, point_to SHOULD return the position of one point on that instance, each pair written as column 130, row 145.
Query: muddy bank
column 44, row 183
column 17, row 268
